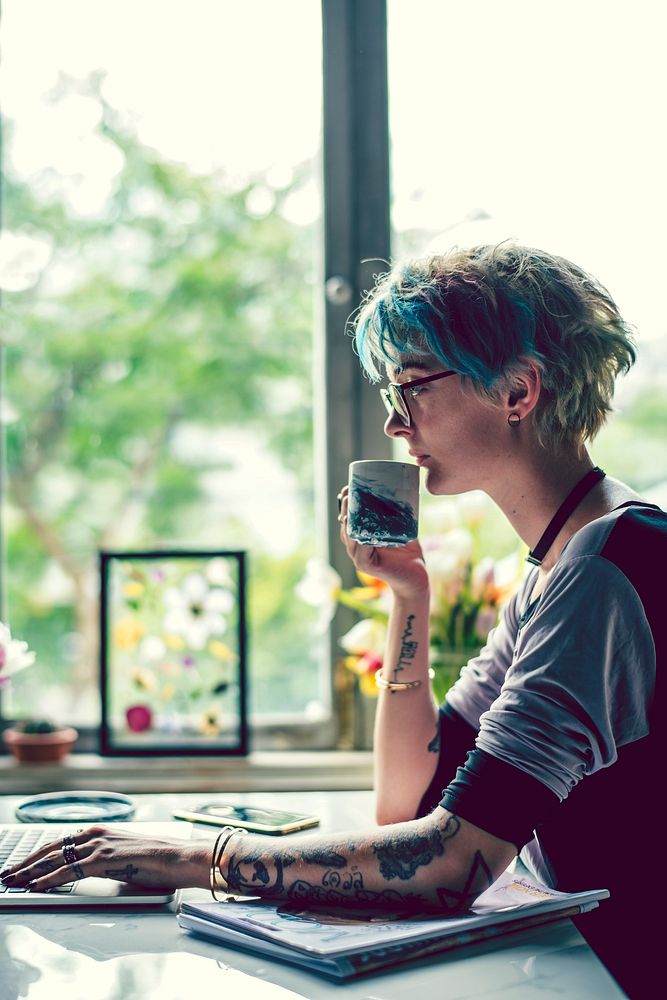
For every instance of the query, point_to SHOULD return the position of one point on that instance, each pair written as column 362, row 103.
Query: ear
column 526, row 385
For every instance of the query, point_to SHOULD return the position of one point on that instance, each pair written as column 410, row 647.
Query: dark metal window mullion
column 356, row 245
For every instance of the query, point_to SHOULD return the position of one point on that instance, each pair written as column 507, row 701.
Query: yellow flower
column 168, row 692
column 209, row 723
column 367, row 685
column 133, row 589
column 143, row 679
column 174, row 641
column 127, row 633
column 221, row 650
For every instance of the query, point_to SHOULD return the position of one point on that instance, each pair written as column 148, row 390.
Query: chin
column 433, row 484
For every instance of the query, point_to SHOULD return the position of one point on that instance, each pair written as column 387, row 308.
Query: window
column 174, row 375
column 537, row 122
column 162, row 214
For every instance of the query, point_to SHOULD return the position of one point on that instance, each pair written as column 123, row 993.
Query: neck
column 533, row 496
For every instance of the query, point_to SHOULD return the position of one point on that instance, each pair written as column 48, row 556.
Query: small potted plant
column 39, row 741
column 34, row 741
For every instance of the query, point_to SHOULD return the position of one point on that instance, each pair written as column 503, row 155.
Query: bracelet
column 394, row 685
column 216, row 878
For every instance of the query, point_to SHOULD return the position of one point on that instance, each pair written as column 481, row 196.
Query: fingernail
column 4, row 872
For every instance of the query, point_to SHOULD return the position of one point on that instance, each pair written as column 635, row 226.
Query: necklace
column 572, row 500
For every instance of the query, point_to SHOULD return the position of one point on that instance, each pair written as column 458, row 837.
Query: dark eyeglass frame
column 393, row 395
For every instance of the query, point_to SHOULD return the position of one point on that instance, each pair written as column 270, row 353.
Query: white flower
column 14, row 654
column 196, row 611
column 441, row 516
column 217, row 572
column 367, row 636
column 320, row 588
column 473, row 507
column 152, row 649
column 446, row 556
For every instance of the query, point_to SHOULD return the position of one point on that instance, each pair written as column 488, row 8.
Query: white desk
column 145, row 956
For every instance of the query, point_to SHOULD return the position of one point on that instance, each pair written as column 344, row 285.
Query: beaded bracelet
column 394, row 685
column 216, row 878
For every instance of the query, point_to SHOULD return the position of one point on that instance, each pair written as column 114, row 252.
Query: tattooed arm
column 406, row 721
column 436, row 864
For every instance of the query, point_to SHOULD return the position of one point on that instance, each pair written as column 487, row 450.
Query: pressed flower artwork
column 173, row 652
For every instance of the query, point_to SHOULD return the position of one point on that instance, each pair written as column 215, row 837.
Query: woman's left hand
column 113, row 853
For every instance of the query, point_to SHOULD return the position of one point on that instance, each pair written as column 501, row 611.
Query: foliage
column 467, row 594
column 171, row 314
column 37, row 726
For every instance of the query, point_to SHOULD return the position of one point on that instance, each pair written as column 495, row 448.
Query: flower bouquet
column 467, row 595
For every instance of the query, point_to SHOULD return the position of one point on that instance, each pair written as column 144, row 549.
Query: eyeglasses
column 394, row 399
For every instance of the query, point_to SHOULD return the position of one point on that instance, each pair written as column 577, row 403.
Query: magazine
column 342, row 944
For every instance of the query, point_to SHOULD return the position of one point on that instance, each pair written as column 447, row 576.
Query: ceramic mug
column 383, row 503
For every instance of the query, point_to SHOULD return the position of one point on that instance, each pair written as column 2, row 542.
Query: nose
column 395, row 428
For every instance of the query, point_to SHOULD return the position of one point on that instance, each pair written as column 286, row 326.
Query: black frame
column 143, row 747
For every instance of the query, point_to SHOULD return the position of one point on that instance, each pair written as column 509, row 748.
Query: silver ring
column 70, row 855
column 68, row 839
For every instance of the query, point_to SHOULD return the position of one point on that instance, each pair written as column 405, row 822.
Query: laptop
column 18, row 840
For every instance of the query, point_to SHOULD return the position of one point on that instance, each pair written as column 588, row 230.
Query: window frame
column 355, row 247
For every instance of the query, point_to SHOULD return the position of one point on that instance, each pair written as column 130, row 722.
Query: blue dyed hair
column 484, row 311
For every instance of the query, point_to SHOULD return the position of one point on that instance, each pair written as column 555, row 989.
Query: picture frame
column 173, row 676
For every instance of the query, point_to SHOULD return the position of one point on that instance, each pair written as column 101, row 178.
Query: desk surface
column 145, row 956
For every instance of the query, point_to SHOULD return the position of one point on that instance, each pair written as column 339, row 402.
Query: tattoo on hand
column 122, row 874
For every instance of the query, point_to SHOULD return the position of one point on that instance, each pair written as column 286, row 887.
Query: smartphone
column 257, row 819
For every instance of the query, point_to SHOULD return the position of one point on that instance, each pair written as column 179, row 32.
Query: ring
column 69, row 854
column 68, row 840
column 339, row 498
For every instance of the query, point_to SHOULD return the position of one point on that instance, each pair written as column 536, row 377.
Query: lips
column 420, row 459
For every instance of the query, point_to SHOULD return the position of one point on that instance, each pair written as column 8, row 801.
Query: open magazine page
column 293, row 929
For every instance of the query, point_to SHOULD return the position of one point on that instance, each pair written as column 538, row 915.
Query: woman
column 501, row 364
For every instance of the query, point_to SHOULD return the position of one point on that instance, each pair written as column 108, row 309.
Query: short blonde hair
column 486, row 310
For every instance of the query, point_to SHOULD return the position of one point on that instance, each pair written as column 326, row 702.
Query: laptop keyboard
column 17, row 844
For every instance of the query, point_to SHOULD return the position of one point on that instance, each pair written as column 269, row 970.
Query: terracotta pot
column 40, row 748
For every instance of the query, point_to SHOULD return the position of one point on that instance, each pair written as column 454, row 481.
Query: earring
column 514, row 419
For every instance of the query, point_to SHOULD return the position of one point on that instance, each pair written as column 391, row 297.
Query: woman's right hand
column 401, row 567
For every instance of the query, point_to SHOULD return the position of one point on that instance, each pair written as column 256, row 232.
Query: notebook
column 18, row 840
column 343, row 943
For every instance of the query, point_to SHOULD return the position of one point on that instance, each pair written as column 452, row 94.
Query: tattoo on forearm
column 352, row 879
column 408, row 648
column 122, row 874
column 402, row 857
column 479, row 878
column 434, row 745
column 389, row 899
column 344, row 876
column 238, row 882
column 326, row 858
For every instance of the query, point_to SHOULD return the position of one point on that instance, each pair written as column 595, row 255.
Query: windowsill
column 334, row 770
